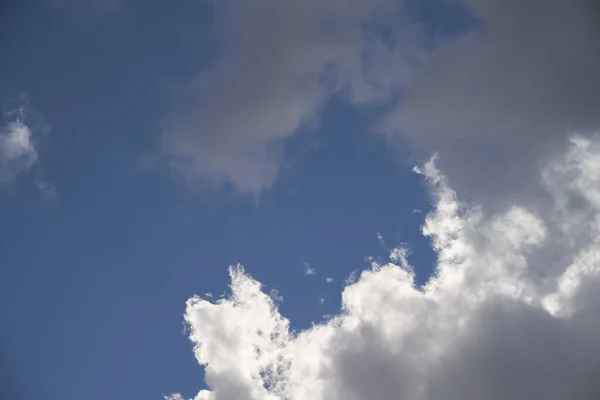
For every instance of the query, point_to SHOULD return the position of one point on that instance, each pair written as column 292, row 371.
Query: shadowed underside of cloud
column 498, row 319
column 499, row 94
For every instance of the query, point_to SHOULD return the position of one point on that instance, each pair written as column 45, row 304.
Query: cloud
column 497, row 320
column 493, row 97
column 329, row 279
column 308, row 270
column 497, row 100
column 17, row 151
column 276, row 296
column 278, row 65
column 86, row 10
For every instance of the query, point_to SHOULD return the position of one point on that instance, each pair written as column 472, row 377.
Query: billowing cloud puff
column 498, row 320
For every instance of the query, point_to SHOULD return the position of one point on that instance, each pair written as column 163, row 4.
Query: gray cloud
column 501, row 96
column 506, row 94
column 279, row 63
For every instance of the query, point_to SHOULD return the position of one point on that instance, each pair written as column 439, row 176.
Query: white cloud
column 88, row 10
column 17, row 151
column 352, row 277
column 329, row 279
column 497, row 321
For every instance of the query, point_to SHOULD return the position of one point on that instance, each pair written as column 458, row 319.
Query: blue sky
column 104, row 269
column 170, row 141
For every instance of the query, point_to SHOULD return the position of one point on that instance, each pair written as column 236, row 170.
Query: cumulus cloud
column 496, row 321
column 17, row 151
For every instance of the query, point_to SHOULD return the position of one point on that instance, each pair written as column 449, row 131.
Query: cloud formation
column 500, row 91
column 279, row 63
column 497, row 320
column 500, row 98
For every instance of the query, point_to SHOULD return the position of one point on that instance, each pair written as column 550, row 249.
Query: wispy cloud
column 308, row 270
column 17, row 151
column 278, row 67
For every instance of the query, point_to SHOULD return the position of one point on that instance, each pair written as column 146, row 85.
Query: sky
column 289, row 200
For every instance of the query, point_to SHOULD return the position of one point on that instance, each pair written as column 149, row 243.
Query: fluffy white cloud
column 17, row 151
column 498, row 319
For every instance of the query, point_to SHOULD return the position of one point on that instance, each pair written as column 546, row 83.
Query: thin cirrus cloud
column 501, row 91
column 497, row 320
